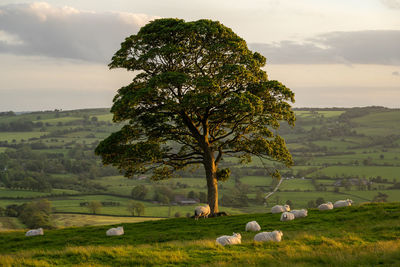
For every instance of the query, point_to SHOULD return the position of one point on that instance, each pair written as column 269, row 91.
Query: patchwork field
column 53, row 157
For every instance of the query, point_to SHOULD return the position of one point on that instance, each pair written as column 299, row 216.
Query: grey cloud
column 65, row 32
column 361, row 47
column 395, row 4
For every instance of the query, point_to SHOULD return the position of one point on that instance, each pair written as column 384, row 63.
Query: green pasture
column 71, row 204
column 300, row 199
column 389, row 158
column 54, row 121
column 18, row 136
column 68, row 220
column 263, row 181
column 388, row 119
column 377, row 131
column 393, row 195
column 366, row 235
column 331, row 113
column 334, row 144
column 10, row 193
column 325, row 113
column 105, row 117
column 296, row 184
column 389, row 172
column 119, row 181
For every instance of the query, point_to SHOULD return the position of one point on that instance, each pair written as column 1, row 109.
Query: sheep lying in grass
column 202, row 211
column 229, row 240
column 326, row 206
column 115, row 231
column 253, row 226
column 34, row 232
column 275, row 236
column 279, row 208
column 300, row 213
column 343, row 203
column 287, row 216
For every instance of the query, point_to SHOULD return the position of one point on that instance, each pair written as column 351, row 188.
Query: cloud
column 41, row 29
column 359, row 47
column 394, row 4
column 395, row 73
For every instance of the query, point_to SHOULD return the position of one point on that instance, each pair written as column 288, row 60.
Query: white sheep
column 287, row 216
column 275, row 236
column 115, row 231
column 300, row 213
column 342, row 203
column 253, row 226
column 279, row 208
column 229, row 240
column 326, row 206
column 34, row 232
column 202, row 211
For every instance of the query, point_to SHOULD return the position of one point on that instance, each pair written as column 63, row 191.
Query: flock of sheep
column 275, row 236
column 236, row 238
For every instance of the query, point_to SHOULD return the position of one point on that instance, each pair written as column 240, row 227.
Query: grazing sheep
column 342, row 203
column 115, row 231
column 253, row 226
column 300, row 213
column 34, row 232
column 279, row 208
column 229, row 240
column 202, row 211
column 275, row 236
column 287, row 216
column 326, row 206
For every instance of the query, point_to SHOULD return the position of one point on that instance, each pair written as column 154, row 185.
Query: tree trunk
column 212, row 183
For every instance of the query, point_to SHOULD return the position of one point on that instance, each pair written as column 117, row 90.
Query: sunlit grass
column 307, row 250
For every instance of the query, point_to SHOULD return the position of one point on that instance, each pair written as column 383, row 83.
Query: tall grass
column 308, row 250
column 366, row 235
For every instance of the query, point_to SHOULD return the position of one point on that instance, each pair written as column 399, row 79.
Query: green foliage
column 94, row 206
column 139, row 192
column 223, row 174
column 136, row 208
column 200, row 94
column 163, row 194
column 36, row 214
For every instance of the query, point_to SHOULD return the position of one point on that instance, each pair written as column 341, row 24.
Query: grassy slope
column 68, row 220
column 365, row 235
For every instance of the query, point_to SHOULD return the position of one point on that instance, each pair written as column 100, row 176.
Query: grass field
column 9, row 193
column 389, row 172
column 68, row 220
column 366, row 235
column 18, row 136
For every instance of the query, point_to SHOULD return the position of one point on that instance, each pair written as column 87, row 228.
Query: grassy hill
column 365, row 235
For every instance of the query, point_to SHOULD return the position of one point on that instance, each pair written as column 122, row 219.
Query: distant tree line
column 25, row 168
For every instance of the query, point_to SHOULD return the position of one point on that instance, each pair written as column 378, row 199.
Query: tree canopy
column 199, row 94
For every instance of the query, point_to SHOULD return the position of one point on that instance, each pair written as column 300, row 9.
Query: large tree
column 198, row 94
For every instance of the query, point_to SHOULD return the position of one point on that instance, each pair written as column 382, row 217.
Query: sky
column 342, row 53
